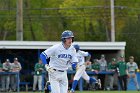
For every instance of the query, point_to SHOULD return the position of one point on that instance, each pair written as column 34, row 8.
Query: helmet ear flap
column 63, row 40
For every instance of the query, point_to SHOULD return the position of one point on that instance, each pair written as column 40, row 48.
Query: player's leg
column 54, row 82
column 136, row 82
column 77, row 76
column 125, row 82
column 35, row 82
column 3, row 82
column 88, row 79
column 47, row 88
column 7, row 82
column 91, row 80
column 120, row 82
column 64, row 83
column 111, row 81
column 40, row 83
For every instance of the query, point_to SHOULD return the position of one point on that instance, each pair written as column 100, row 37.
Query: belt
column 131, row 71
column 58, row 70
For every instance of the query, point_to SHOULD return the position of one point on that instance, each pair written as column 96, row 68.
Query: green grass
column 108, row 92
column 93, row 92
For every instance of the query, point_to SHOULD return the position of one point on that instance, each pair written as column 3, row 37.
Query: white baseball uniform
column 60, row 59
column 81, row 66
column 131, row 70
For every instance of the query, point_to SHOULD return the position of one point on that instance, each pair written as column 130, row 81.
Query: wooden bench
column 26, row 84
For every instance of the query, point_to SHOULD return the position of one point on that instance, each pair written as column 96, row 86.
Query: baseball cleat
column 99, row 83
column 46, row 87
column 71, row 91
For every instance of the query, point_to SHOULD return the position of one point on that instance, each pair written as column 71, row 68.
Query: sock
column 74, row 84
column 49, row 87
column 92, row 80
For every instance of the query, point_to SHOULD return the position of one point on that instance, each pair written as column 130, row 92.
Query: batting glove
column 49, row 69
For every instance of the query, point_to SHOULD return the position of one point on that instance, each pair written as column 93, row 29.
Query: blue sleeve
column 74, row 64
column 43, row 58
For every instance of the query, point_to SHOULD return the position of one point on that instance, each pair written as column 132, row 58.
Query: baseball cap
column 121, row 56
column 15, row 59
column 113, row 59
column 7, row 60
column 131, row 57
column 103, row 56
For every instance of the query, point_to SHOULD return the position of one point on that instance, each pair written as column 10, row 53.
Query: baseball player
column 1, row 76
column 112, row 68
column 103, row 66
column 61, row 57
column 132, row 67
column 6, row 78
column 95, row 67
column 16, row 67
column 81, row 67
column 122, row 73
column 39, row 67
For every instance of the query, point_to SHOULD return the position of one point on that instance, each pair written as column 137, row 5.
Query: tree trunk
column 27, row 4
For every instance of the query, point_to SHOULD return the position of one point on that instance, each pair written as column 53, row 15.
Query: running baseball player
column 81, row 67
column 132, row 67
column 61, row 56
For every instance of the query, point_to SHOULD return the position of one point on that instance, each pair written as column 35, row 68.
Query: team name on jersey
column 64, row 56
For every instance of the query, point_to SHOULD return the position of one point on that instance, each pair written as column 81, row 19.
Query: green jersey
column 122, row 67
column 112, row 66
column 96, row 66
column 39, row 69
column 1, row 66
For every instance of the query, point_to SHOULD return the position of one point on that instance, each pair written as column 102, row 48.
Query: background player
column 122, row 73
column 81, row 66
column 132, row 67
column 112, row 68
column 61, row 56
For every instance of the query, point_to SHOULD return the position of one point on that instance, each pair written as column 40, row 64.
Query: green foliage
column 88, row 19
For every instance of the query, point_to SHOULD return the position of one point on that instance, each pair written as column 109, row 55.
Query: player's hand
column 40, row 69
column 87, row 63
column 49, row 69
column 133, row 75
column 77, row 67
column 96, row 71
column 128, row 75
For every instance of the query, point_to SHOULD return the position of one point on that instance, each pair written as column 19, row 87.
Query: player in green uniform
column 95, row 67
column 112, row 68
column 1, row 70
column 39, row 67
column 122, row 73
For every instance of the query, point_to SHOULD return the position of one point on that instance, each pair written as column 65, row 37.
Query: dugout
column 28, row 52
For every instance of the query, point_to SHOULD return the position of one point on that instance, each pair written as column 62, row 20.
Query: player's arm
column 88, row 57
column 45, row 55
column 74, row 61
column 36, row 68
column 109, row 67
column 136, row 67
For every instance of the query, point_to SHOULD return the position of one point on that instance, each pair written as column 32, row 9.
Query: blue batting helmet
column 66, row 34
column 77, row 47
